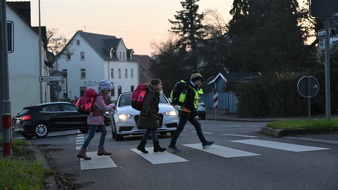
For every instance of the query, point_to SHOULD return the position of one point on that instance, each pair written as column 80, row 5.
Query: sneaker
column 208, row 144
column 173, row 149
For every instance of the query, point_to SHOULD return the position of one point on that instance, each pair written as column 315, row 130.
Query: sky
column 138, row 22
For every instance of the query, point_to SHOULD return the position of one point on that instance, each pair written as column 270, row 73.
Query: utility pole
column 6, row 103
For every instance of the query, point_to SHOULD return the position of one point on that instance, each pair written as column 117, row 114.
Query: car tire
column 30, row 136
column 203, row 116
column 41, row 130
column 84, row 130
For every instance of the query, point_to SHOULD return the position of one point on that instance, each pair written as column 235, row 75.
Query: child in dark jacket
column 148, row 118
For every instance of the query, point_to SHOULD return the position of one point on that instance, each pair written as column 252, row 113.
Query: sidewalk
column 319, row 137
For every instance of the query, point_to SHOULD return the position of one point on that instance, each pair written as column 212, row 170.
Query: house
column 25, row 63
column 226, row 100
column 88, row 58
column 222, row 79
column 144, row 66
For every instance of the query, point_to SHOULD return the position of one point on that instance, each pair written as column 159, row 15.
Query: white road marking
column 222, row 151
column 279, row 145
column 207, row 133
column 235, row 135
column 79, row 141
column 159, row 157
column 97, row 162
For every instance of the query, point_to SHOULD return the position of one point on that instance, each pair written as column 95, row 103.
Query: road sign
column 323, row 8
column 49, row 78
column 308, row 86
column 10, row 37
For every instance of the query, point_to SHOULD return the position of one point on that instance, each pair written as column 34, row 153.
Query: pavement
column 220, row 115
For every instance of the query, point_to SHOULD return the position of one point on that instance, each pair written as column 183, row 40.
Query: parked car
column 125, row 117
column 201, row 109
column 38, row 120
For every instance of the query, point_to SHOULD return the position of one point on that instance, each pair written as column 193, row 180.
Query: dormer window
column 77, row 42
column 111, row 53
column 120, row 56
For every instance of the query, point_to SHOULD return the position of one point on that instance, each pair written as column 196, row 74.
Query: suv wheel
column 41, row 130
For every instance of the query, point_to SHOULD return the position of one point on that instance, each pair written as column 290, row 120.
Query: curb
column 50, row 180
column 273, row 132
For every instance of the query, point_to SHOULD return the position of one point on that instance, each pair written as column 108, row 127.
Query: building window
column 123, row 56
column 132, row 73
column 69, row 56
column 83, row 73
column 77, row 42
column 119, row 90
column 119, row 73
column 64, row 73
column 120, row 56
column 132, row 88
column 82, row 55
column 112, row 73
column 82, row 90
column 112, row 92
column 126, row 73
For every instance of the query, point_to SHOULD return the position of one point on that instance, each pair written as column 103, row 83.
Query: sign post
column 308, row 87
column 215, row 102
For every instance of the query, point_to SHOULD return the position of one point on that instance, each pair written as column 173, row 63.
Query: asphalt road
column 242, row 158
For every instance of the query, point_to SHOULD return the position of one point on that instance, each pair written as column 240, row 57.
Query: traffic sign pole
column 4, row 80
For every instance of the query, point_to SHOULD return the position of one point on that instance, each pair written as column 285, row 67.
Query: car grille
column 159, row 115
column 171, row 125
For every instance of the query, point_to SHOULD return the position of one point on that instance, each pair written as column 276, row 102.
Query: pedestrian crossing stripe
column 79, row 141
column 97, row 162
column 235, row 135
column 159, row 157
column 222, row 151
column 279, row 145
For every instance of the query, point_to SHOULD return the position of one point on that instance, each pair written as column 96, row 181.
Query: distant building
column 88, row 58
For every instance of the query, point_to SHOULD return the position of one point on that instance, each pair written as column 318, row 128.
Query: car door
column 65, row 116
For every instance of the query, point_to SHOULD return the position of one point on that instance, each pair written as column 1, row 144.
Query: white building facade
column 24, row 66
column 89, row 58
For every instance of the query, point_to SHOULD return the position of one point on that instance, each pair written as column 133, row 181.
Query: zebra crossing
column 100, row 162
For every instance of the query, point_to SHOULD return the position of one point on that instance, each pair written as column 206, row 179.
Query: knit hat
column 105, row 85
column 196, row 76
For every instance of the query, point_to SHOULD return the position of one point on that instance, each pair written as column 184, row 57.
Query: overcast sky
column 138, row 22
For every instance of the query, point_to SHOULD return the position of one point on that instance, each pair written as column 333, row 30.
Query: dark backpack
column 138, row 96
column 179, row 93
column 85, row 103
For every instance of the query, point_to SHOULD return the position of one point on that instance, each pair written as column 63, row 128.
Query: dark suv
column 38, row 120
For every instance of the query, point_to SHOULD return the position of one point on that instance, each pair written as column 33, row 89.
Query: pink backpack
column 85, row 103
column 138, row 96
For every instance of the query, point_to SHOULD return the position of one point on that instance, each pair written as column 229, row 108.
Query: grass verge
column 19, row 173
column 312, row 124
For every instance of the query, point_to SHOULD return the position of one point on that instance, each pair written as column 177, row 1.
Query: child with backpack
column 188, row 113
column 96, row 120
column 148, row 118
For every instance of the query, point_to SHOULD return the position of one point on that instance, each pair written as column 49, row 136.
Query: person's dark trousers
column 184, row 117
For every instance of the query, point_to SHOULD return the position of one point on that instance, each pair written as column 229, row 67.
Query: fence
column 226, row 101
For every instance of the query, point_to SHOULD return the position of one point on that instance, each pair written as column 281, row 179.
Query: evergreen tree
column 265, row 35
column 188, row 26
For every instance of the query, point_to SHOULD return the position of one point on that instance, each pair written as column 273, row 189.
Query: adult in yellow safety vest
column 188, row 112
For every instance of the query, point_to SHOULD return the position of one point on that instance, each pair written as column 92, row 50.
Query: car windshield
column 125, row 100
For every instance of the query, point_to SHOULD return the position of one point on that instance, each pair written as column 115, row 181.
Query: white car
column 125, row 117
column 201, row 109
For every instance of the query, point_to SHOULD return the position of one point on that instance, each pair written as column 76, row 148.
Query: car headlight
column 171, row 113
column 124, row 116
